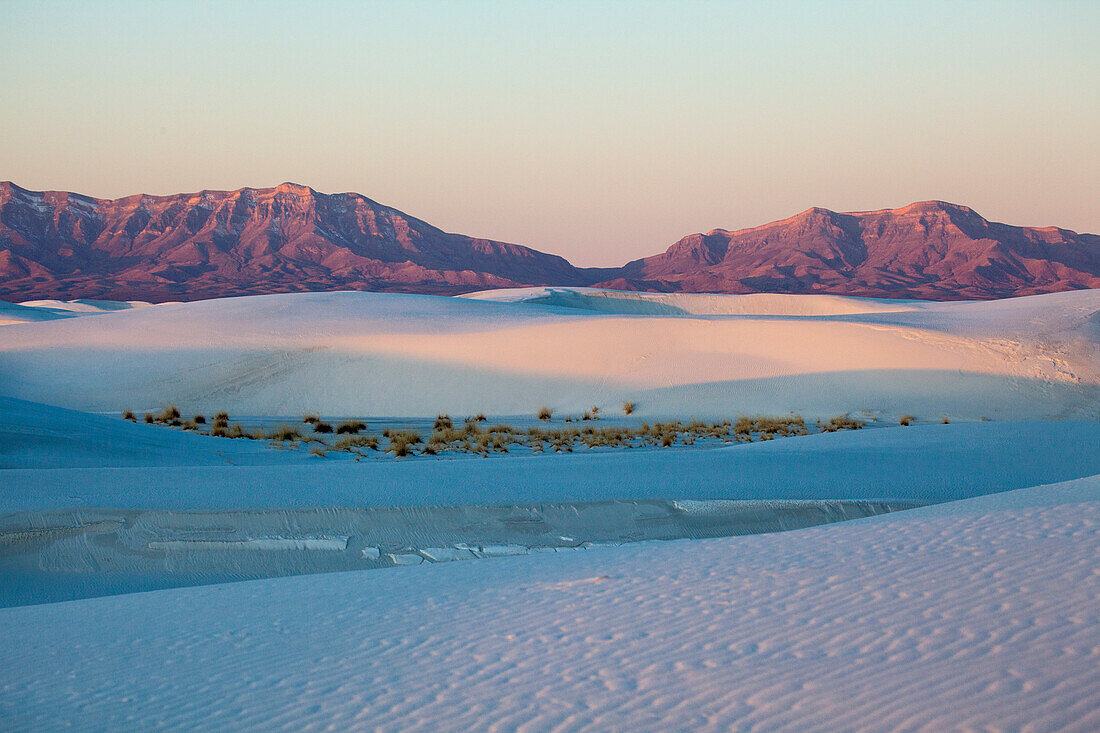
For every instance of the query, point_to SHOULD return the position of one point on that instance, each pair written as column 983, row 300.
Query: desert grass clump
column 841, row 422
column 221, row 423
column 199, row 419
column 284, row 433
column 401, row 441
column 169, row 415
column 480, row 417
column 357, row 441
column 443, row 421
column 944, row 421
column 628, row 408
column 149, row 419
column 545, row 413
column 906, row 420
column 350, row 427
column 310, row 419
column 322, row 427
column 129, row 415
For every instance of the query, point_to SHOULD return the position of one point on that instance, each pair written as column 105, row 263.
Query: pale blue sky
column 599, row 131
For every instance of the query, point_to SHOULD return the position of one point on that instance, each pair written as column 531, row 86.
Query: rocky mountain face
column 221, row 243
column 930, row 250
column 292, row 238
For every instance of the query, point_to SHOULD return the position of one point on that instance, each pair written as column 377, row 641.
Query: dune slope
column 715, row 356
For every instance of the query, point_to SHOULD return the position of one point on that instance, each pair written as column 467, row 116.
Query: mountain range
column 292, row 238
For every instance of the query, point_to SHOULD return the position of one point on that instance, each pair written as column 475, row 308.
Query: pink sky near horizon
column 601, row 133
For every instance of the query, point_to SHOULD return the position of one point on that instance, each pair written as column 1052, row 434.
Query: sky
column 602, row 132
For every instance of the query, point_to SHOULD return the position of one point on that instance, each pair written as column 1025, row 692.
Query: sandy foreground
column 973, row 614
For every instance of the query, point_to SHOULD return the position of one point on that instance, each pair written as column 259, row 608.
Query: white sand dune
column 31, row 311
column 978, row 614
column 509, row 353
column 975, row 614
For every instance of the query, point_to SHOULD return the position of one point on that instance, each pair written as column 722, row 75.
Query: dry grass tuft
column 841, row 422
column 401, row 441
column 545, row 413
column 357, row 441
column 628, row 408
column 285, row 433
column 349, row 427
column 906, row 420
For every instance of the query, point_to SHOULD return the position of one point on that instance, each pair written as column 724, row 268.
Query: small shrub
column 443, row 422
column 906, row 420
column 545, row 413
column 357, row 441
column 402, row 440
column 322, row 427
column 628, row 407
column 841, row 422
column 310, row 419
column 348, row 427
column 284, row 433
column 149, row 419
column 479, row 417
column 129, row 415
column 199, row 419
column 168, row 414
column 223, row 415
column 944, row 421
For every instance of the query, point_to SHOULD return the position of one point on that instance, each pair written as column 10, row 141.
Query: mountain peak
column 295, row 188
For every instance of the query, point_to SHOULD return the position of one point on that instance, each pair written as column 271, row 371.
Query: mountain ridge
column 290, row 237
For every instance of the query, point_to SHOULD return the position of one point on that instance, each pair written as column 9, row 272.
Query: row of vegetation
column 472, row 437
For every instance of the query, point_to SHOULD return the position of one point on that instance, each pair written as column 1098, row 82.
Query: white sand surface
column 512, row 351
column 978, row 614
